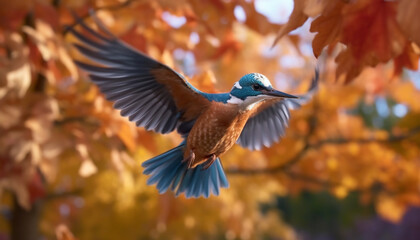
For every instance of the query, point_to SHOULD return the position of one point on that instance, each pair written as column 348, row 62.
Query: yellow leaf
column 87, row 169
column 390, row 209
column 332, row 163
column 340, row 191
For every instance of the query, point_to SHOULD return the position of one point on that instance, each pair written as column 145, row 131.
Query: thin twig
column 319, row 144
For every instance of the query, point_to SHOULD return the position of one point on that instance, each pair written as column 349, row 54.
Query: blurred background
column 348, row 167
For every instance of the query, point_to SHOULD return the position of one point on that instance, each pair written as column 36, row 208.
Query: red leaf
column 371, row 31
column 36, row 187
column 328, row 26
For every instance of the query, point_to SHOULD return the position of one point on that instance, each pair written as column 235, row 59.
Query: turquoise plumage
column 155, row 97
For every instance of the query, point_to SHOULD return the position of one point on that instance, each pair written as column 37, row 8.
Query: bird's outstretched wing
column 149, row 93
column 270, row 120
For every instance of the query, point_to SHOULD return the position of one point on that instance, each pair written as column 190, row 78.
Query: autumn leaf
column 62, row 232
column 51, row 48
column 328, row 27
column 88, row 167
column 381, row 39
column 296, row 19
column 62, row 143
column 409, row 59
column 347, row 66
column 15, row 72
column 408, row 19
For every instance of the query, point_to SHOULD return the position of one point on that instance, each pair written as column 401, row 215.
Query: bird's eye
column 257, row 87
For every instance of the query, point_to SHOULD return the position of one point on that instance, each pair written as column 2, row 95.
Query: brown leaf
column 328, row 27
column 12, row 13
column 315, row 7
column 408, row 18
column 51, row 48
column 379, row 40
column 17, row 186
column 9, row 116
column 408, row 59
column 256, row 21
column 62, row 232
column 347, row 66
column 15, row 72
column 297, row 19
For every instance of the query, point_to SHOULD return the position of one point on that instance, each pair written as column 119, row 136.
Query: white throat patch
column 249, row 102
column 235, row 100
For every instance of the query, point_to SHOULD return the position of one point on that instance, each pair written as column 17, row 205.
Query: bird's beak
column 275, row 93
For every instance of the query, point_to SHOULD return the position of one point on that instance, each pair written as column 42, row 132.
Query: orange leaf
column 297, row 19
column 125, row 133
column 347, row 65
column 371, row 31
column 328, row 27
column 409, row 19
column 257, row 21
column 390, row 209
column 62, row 232
column 408, row 59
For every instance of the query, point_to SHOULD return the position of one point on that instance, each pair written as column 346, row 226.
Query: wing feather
column 147, row 92
column 271, row 118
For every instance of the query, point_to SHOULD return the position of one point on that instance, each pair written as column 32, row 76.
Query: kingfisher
column 156, row 97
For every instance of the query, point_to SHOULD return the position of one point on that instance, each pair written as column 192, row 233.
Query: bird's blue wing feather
column 151, row 94
column 270, row 123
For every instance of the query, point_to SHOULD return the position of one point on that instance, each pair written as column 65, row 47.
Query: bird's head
column 253, row 88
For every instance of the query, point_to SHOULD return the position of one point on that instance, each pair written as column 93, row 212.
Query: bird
column 154, row 96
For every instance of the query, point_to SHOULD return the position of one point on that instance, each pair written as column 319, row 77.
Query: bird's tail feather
column 168, row 171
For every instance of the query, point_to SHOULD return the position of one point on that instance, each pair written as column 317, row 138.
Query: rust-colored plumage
column 154, row 96
column 215, row 131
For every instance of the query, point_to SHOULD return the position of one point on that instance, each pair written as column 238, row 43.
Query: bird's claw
column 189, row 160
column 209, row 162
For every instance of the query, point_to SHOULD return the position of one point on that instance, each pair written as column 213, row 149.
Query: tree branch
column 311, row 179
column 319, row 144
column 60, row 195
column 390, row 139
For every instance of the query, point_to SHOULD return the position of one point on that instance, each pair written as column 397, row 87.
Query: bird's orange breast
column 215, row 131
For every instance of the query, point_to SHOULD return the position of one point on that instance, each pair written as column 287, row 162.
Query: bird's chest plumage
column 216, row 130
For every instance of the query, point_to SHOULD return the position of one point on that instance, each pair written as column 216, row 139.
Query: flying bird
column 156, row 97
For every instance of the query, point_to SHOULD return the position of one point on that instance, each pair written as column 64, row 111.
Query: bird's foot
column 190, row 159
column 209, row 162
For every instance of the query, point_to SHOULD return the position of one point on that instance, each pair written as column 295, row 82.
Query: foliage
column 373, row 31
column 63, row 145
